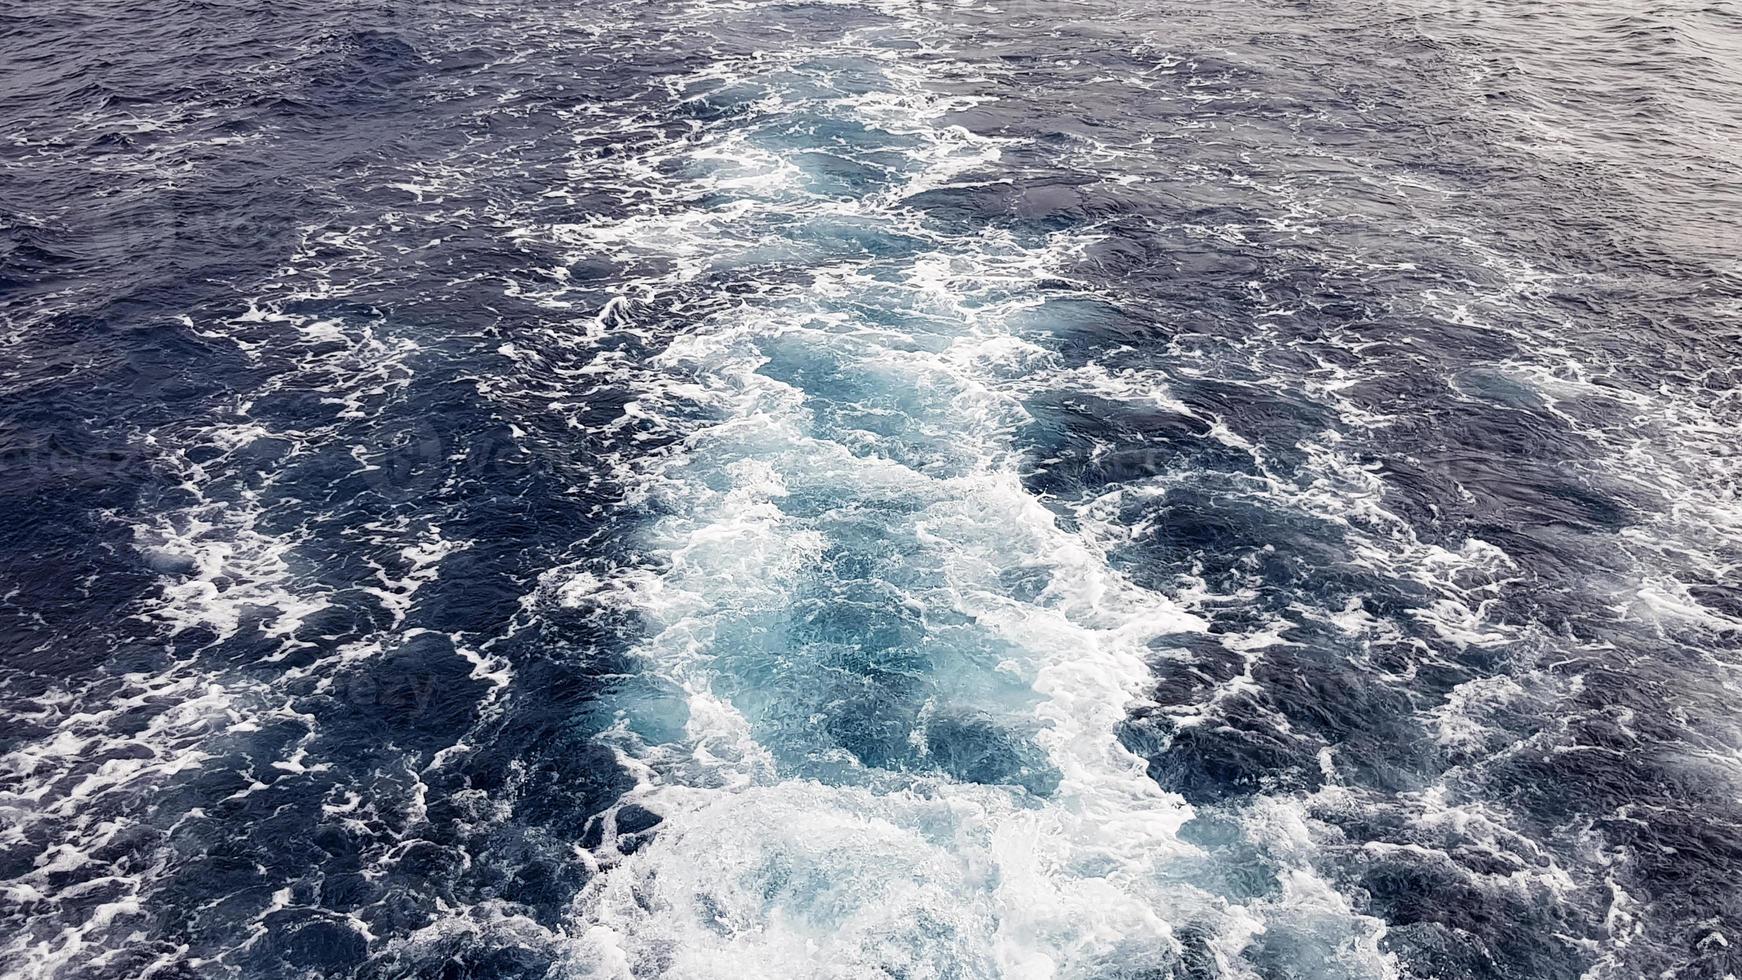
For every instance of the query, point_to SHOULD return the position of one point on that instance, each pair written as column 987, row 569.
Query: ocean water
column 871, row 489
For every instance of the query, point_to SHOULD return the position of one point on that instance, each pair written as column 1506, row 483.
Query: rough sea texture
column 871, row 489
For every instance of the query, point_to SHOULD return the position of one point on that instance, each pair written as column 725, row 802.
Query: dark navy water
column 871, row 488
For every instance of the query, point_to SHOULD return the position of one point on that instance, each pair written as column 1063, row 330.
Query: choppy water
column 871, row 489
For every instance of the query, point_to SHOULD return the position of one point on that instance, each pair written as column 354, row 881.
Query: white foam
column 780, row 850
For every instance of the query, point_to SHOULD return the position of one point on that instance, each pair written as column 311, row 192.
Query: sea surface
column 871, row 489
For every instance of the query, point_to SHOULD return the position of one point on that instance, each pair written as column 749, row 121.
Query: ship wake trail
column 877, row 728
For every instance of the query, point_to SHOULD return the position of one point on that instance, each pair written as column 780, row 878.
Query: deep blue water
column 871, row 488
